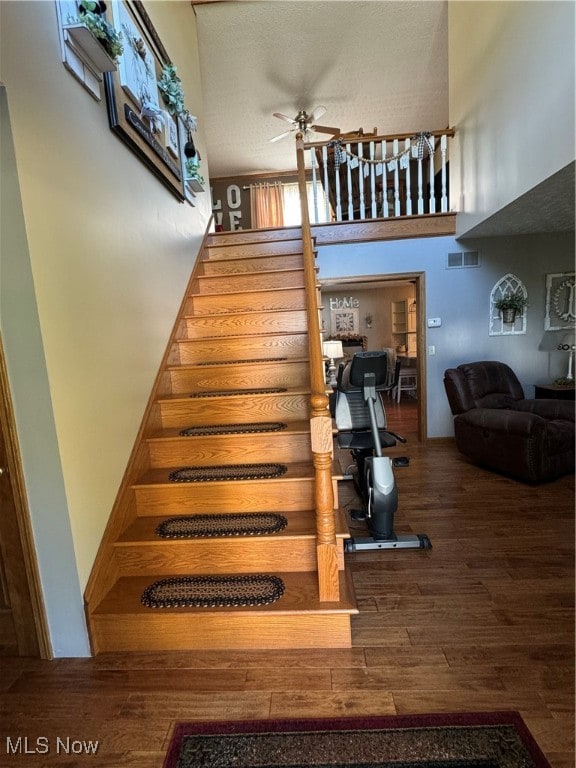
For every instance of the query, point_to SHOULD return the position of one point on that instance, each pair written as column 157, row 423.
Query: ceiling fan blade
column 284, row 117
column 281, row 135
column 316, row 113
column 325, row 129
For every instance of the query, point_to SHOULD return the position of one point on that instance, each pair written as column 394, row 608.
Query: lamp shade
column 333, row 349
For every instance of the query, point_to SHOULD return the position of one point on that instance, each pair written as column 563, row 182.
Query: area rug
column 479, row 740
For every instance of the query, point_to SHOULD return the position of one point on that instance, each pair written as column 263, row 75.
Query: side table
column 553, row 392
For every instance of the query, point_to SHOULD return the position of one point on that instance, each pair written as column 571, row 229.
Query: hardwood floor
column 483, row 621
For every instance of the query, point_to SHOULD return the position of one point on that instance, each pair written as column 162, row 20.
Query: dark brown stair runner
column 213, row 591
column 206, row 526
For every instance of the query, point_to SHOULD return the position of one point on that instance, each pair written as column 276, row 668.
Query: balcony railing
column 364, row 176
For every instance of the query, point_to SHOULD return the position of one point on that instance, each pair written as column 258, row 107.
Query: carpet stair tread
column 243, row 364
column 292, row 428
column 294, row 473
column 300, row 524
column 235, row 394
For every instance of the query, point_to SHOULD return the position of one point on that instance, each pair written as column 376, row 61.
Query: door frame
column 419, row 280
column 20, row 562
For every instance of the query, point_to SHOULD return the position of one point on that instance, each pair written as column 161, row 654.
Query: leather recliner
column 497, row 427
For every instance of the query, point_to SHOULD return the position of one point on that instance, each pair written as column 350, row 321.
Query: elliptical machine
column 361, row 423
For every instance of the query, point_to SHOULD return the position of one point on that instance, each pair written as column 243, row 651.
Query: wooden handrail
column 320, row 420
column 366, row 138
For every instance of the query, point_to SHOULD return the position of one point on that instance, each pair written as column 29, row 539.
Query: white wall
column 460, row 297
column 105, row 252
column 511, row 76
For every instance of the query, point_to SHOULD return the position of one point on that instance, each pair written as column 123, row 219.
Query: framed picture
column 560, row 302
column 136, row 112
column 344, row 321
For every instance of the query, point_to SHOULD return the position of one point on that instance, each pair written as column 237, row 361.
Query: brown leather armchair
column 495, row 426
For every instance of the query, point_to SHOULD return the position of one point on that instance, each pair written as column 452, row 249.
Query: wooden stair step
column 249, row 250
column 168, row 447
column 246, row 323
column 297, row 620
column 277, row 297
column 293, row 373
column 257, row 347
column 141, row 551
column 233, row 265
column 155, row 494
column 255, row 281
column 179, row 411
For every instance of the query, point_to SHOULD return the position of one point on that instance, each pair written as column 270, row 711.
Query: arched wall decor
column 506, row 285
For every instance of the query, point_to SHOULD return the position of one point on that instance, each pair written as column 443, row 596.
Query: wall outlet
column 434, row 322
column 431, row 350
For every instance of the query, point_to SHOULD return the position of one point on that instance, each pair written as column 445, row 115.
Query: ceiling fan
column 305, row 123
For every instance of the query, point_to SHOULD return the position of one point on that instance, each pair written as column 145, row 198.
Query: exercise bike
column 361, row 423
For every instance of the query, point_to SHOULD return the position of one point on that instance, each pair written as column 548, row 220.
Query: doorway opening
column 375, row 312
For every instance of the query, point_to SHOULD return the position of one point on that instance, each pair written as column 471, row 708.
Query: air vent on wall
column 460, row 259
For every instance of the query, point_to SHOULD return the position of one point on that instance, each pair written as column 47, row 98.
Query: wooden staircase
column 243, row 327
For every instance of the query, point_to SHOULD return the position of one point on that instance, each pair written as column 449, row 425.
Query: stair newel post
column 320, row 421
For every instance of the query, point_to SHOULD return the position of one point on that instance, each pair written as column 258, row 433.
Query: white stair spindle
column 314, row 184
column 349, row 182
column 373, row 206
column 431, row 179
column 385, row 211
column 420, row 197
column 361, row 180
column 326, row 186
column 444, row 198
column 407, row 176
column 338, row 193
column 396, row 179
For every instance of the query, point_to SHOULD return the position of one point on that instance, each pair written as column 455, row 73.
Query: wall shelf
column 87, row 47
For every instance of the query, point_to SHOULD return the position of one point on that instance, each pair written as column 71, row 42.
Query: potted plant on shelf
column 91, row 18
column 510, row 305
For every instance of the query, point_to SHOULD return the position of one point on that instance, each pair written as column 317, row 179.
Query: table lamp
column 332, row 350
column 568, row 344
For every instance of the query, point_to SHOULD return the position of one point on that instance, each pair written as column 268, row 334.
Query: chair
column 497, row 427
column 407, row 382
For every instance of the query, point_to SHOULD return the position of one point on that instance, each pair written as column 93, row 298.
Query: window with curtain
column 267, row 205
column 292, row 215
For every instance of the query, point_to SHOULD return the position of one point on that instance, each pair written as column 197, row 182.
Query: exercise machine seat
column 497, row 427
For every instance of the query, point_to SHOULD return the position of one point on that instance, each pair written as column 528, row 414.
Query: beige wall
column 110, row 253
column 511, row 75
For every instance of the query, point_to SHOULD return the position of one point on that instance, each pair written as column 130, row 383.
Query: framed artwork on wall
column 344, row 321
column 560, row 302
column 136, row 112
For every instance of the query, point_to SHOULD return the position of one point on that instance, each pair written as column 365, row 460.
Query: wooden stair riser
column 273, row 495
column 181, row 413
column 238, row 324
column 213, row 350
column 292, row 374
column 210, row 450
column 253, row 554
column 234, row 266
column 260, row 281
column 250, row 250
column 254, row 301
column 228, row 630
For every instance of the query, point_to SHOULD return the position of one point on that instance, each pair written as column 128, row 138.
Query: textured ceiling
column 375, row 64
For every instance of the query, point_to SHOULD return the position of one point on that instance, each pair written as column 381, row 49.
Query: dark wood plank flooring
column 483, row 621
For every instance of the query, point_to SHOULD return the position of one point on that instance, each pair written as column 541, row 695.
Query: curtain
column 267, row 205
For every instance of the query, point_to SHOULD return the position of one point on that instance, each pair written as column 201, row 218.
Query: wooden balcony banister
column 367, row 137
column 320, row 420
